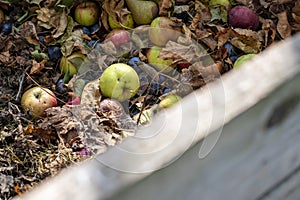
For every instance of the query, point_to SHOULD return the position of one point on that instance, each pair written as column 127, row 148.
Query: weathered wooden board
column 256, row 151
column 248, row 162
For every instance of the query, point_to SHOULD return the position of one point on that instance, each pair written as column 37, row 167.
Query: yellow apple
column 36, row 100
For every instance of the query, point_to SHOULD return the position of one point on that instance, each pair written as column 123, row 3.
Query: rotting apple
column 118, row 37
column 163, row 65
column 161, row 31
column 119, row 81
column 87, row 13
column 243, row 17
column 36, row 100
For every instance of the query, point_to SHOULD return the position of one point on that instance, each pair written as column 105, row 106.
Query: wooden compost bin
column 246, row 128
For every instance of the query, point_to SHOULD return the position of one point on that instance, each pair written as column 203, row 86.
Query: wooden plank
column 179, row 128
column 289, row 189
column 248, row 160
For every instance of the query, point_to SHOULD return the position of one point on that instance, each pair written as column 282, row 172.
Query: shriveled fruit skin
column 243, row 17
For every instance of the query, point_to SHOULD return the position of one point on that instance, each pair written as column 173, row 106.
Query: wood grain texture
column 246, row 161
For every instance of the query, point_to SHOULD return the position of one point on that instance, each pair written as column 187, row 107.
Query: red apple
column 87, row 13
column 118, row 37
column 36, row 100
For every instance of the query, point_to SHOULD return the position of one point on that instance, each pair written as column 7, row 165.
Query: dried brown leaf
column 246, row 41
column 198, row 75
column 28, row 31
column 115, row 9
column 164, row 7
column 37, row 66
column 283, row 26
column 91, row 95
column 178, row 52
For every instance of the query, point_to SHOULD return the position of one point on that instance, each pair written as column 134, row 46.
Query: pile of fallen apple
column 122, row 80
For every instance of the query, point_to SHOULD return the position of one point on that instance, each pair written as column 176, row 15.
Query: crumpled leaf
column 62, row 25
column 87, row 124
column 219, row 13
column 69, row 44
column 179, row 52
column 37, row 66
column 246, row 41
column 28, row 31
column 114, row 9
column 283, row 26
column 91, row 94
column 198, row 75
column 49, row 18
column 164, row 7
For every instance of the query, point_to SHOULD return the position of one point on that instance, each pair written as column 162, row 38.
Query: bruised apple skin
column 243, row 17
column 118, row 37
column 36, row 100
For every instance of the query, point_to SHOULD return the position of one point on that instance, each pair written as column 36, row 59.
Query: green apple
column 70, row 65
column 87, row 13
column 119, row 81
column 36, row 100
column 242, row 59
column 161, row 31
column 169, row 100
column 157, row 62
column 126, row 22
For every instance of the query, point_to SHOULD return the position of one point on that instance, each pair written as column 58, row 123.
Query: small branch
column 43, row 88
column 21, row 80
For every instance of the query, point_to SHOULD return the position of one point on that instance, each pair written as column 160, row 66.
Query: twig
column 21, row 80
column 43, row 88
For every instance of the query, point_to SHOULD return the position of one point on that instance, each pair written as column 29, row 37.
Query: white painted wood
column 245, row 162
column 288, row 190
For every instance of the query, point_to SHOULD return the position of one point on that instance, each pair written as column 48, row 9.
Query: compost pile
column 65, row 46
